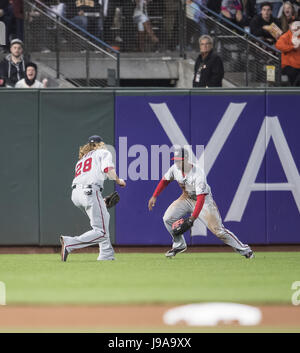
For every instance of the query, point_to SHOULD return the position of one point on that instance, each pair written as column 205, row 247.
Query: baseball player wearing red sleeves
column 94, row 166
column 196, row 199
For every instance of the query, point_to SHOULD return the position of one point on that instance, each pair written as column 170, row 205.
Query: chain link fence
column 142, row 26
column 53, row 40
column 89, row 30
column 247, row 60
column 129, row 26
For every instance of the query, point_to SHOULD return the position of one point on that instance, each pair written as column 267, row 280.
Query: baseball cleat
column 64, row 252
column 173, row 252
column 249, row 255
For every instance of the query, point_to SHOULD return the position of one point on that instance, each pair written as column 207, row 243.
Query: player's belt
column 88, row 186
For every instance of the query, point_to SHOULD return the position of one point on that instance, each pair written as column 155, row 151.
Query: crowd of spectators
column 16, row 71
column 117, row 22
column 11, row 14
column 274, row 22
column 122, row 20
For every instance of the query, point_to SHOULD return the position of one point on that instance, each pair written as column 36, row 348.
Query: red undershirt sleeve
column 199, row 205
column 161, row 186
column 107, row 169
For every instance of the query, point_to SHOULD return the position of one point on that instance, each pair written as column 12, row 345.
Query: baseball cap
column 16, row 41
column 180, row 154
column 95, row 138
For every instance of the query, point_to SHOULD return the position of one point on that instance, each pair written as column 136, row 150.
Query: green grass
column 150, row 278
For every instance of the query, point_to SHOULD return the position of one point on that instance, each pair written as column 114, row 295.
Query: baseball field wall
column 251, row 158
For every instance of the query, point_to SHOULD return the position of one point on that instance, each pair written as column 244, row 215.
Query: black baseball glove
column 181, row 226
column 112, row 199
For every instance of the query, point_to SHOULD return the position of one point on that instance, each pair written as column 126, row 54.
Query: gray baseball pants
column 94, row 206
column 209, row 215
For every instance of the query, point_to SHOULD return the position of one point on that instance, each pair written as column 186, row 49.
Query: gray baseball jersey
column 193, row 183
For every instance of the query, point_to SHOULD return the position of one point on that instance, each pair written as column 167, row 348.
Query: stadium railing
column 177, row 25
column 248, row 61
column 52, row 39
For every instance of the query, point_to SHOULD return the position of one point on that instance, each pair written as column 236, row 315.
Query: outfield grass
column 150, row 278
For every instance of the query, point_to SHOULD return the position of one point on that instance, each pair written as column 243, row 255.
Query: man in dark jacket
column 260, row 24
column 12, row 67
column 6, row 18
column 209, row 69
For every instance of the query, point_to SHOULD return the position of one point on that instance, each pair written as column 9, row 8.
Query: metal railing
column 173, row 27
column 157, row 28
column 144, row 26
column 248, row 61
column 53, row 40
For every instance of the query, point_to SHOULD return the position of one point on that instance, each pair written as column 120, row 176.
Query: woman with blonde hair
column 288, row 15
column 93, row 167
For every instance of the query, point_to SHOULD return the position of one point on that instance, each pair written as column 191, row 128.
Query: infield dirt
column 134, row 318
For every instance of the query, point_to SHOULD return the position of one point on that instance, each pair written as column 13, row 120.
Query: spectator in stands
column 86, row 14
column 288, row 16
column 295, row 3
column 128, row 29
column 110, row 34
column 232, row 10
column 195, row 22
column 171, row 10
column 289, row 45
column 30, row 81
column 6, row 18
column 209, row 69
column 249, row 9
column 12, row 67
column 261, row 25
column 141, row 19
column 276, row 5
column 18, row 11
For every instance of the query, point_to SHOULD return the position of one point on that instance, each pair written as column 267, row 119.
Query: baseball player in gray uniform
column 196, row 199
column 93, row 167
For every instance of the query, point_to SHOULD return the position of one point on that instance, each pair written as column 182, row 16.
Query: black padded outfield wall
column 19, row 202
column 41, row 132
column 67, row 119
column 251, row 146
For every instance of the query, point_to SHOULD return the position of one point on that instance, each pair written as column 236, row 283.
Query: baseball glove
column 112, row 199
column 181, row 226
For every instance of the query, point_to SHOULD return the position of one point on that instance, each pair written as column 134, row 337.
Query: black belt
column 88, row 186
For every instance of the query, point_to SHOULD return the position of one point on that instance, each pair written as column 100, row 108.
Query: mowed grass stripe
column 150, row 278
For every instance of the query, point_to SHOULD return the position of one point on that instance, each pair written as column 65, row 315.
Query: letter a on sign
column 270, row 128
